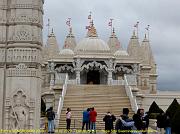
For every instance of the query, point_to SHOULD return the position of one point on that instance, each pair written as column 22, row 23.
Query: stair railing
column 61, row 99
column 130, row 95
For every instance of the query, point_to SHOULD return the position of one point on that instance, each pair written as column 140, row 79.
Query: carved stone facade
column 21, row 23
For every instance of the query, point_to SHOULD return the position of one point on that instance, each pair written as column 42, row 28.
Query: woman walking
column 68, row 119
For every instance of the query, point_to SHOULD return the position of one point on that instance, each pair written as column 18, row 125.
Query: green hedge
column 172, row 108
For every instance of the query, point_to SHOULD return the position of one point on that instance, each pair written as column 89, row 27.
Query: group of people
column 89, row 119
column 137, row 125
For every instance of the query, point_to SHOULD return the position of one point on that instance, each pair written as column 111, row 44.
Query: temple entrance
column 93, row 77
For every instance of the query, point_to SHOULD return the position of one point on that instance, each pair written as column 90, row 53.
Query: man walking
column 51, row 117
column 93, row 115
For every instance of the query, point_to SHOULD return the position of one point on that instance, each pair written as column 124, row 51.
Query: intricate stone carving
column 2, row 55
column 123, row 69
column 94, row 64
column 65, row 67
column 23, row 35
column 19, row 115
column 135, row 68
column 24, row 18
column 23, row 55
column 22, row 70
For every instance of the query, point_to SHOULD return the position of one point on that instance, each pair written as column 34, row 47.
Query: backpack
column 50, row 115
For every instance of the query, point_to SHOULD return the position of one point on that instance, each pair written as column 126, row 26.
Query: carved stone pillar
column 78, row 70
column 52, row 75
column 109, row 77
column 110, row 70
column 78, row 76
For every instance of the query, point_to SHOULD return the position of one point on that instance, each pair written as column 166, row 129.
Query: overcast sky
column 163, row 16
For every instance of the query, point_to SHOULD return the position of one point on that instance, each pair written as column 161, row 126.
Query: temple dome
column 121, row 53
column 66, row 52
column 92, row 44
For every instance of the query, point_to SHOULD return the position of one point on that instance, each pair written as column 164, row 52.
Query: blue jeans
column 168, row 130
column 50, row 125
column 93, row 126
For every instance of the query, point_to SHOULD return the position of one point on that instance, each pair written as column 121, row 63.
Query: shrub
column 175, row 121
column 172, row 108
column 154, row 108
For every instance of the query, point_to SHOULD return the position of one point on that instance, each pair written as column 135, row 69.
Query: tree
column 175, row 121
column 172, row 108
column 154, row 108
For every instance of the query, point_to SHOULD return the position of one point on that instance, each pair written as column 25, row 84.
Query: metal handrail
column 61, row 99
column 130, row 95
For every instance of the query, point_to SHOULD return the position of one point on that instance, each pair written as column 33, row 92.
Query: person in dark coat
column 119, row 126
column 51, row 116
column 145, row 119
column 109, row 119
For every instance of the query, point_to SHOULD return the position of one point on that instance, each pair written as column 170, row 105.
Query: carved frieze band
column 23, row 55
column 23, row 70
column 26, row 6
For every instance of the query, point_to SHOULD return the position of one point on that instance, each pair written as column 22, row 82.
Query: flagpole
column 148, row 32
column 138, row 29
column 48, row 26
column 111, row 20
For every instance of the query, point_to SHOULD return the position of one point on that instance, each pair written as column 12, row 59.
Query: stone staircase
column 102, row 97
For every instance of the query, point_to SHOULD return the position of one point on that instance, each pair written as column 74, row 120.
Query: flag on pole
column 147, row 28
column 136, row 25
column 110, row 23
column 89, row 16
column 48, row 24
column 68, row 22
column 88, row 27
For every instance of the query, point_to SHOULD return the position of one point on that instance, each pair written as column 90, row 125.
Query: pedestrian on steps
column 68, row 119
column 93, row 115
column 109, row 119
column 85, row 121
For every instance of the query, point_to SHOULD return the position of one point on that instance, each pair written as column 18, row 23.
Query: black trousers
column 68, row 124
column 87, row 125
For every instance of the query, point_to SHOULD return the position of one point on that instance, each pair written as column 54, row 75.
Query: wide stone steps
column 103, row 97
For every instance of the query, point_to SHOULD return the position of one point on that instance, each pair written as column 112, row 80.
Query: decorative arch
column 94, row 64
column 64, row 68
column 123, row 69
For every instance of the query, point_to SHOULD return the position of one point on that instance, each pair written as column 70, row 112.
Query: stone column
column 52, row 77
column 109, row 77
column 110, row 70
column 78, row 76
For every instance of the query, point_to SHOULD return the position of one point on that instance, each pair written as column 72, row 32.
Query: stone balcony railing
column 117, row 82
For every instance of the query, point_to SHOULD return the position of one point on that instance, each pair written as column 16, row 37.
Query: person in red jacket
column 93, row 115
